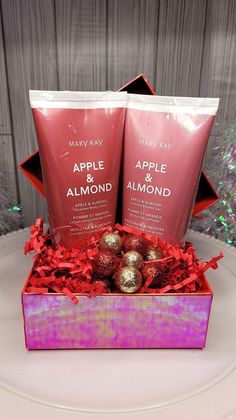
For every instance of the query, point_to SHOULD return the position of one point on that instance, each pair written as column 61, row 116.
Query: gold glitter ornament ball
column 133, row 258
column 128, row 279
column 154, row 253
column 111, row 242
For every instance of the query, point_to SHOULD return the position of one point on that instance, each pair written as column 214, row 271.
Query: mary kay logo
column 85, row 143
column 152, row 143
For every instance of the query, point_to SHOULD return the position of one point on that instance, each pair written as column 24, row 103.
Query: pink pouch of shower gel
column 165, row 142
column 79, row 133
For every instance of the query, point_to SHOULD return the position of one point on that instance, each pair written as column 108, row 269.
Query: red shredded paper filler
column 69, row 271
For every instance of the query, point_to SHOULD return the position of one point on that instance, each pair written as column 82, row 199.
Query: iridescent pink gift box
column 53, row 321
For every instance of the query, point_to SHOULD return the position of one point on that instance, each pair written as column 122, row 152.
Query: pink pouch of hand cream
column 164, row 146
column 80, row 138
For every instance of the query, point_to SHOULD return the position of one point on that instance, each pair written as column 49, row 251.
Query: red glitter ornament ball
column 104, row 264
column 155, row 271
column 137, row 243
column 154, row 253
column 101, row 286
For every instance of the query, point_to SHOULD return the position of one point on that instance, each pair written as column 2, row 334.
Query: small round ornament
column 133, row 258
column 128, row 279
column 137, row 243
column 104, row 264
column 154, row 253
column 152, row 270
column 102, row 286
column 111, row 242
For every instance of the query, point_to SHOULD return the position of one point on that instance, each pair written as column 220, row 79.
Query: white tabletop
column 165, row 384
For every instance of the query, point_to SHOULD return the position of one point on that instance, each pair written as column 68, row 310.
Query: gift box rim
column 140, row 76
column 34, row 180
column 202, row 293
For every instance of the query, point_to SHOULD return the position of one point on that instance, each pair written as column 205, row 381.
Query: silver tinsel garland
column 220, row 220
column 10, row 212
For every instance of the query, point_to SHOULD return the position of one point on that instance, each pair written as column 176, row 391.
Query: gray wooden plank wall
column 185, row 48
